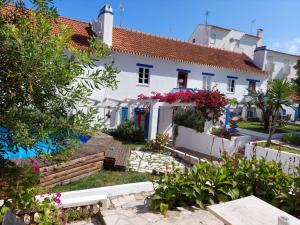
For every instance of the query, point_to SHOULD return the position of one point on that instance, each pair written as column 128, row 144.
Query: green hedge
column 128, row 131
column 190, row 119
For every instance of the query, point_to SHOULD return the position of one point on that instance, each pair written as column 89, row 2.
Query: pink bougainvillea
column 35, row 165
column 209, row 103
column 200, row 98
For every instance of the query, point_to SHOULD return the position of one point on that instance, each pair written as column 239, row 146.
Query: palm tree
column 278, row 95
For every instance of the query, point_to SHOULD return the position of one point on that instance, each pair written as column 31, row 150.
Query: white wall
column 286, row 158
column 163, row 78
column 165, row 121
column 203, row 35
column 208, row 144
column 279, row 58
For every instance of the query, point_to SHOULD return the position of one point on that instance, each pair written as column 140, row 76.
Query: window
column 143, row 76
column 231, row 85
column 213, row 39
column 182, row 80
column 194, row 40
column 206, row 82
column 252, row 85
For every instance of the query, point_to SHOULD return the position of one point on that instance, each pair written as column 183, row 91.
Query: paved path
column 131, row 210
column 146, row 161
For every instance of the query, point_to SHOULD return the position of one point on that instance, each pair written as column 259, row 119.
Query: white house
column 227, row 39
column 150, row 63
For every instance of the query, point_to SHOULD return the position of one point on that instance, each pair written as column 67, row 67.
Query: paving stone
column 111, row 220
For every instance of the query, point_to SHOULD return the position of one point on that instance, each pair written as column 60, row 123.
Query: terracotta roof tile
column 134, row 42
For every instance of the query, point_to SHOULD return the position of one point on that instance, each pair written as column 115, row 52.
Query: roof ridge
column 178, row 40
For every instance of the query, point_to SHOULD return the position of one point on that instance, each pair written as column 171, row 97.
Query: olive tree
column 45, row 82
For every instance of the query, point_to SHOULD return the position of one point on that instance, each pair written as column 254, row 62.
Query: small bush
column 191, row 119
column 158, row 143
column 128, row 131
column 292, row 138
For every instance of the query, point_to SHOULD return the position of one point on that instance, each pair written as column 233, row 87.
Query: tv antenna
column 251, row 25
column 207, row 13
column 121, row 10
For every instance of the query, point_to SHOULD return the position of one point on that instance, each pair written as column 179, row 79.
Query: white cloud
column 291, row 46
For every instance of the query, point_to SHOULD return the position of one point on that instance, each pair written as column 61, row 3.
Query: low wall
column 207, row 143
column 71, row 170
column 287, row 159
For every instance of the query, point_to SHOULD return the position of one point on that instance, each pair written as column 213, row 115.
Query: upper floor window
column 252, row 85
column 231, row 84
column 206, row 85
column 194, row 40
column 213, row 38
column 144, row 76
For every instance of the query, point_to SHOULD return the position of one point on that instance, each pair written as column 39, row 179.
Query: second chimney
column 259, row 33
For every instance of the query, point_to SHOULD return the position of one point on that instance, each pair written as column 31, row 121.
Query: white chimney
column 103, row 25
column 259, row 33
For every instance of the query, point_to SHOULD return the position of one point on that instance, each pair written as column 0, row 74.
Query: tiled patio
column 131, row 210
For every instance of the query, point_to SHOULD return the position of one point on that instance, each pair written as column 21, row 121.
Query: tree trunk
column 266, row 119
column 272, row 128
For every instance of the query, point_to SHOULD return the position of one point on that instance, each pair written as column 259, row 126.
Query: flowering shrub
column 209, row 104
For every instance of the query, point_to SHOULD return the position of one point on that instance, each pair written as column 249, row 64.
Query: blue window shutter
column 124, row 114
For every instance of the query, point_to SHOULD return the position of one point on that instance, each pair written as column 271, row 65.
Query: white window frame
column 142, row 76
column 206, row 82
column 231, row 83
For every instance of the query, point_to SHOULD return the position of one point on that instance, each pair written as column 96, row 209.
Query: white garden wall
column 286, row 158
column 207, row 143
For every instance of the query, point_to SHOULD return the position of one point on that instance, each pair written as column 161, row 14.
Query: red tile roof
column 134, row 42
column 138, row 43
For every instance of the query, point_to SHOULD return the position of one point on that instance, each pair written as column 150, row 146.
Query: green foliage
column 234, row 177
column 128, row 131
column 13, row 177
column 232, row 102
column 24, row 202
column 80, row 213
column 158, row 143
column 297, row 79
column 45, row 81
column 278, row 95
column 191, row 119
column 292, row 138
column 222, row 132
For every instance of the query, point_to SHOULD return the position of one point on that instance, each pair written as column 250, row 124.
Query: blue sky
column 280, row 19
